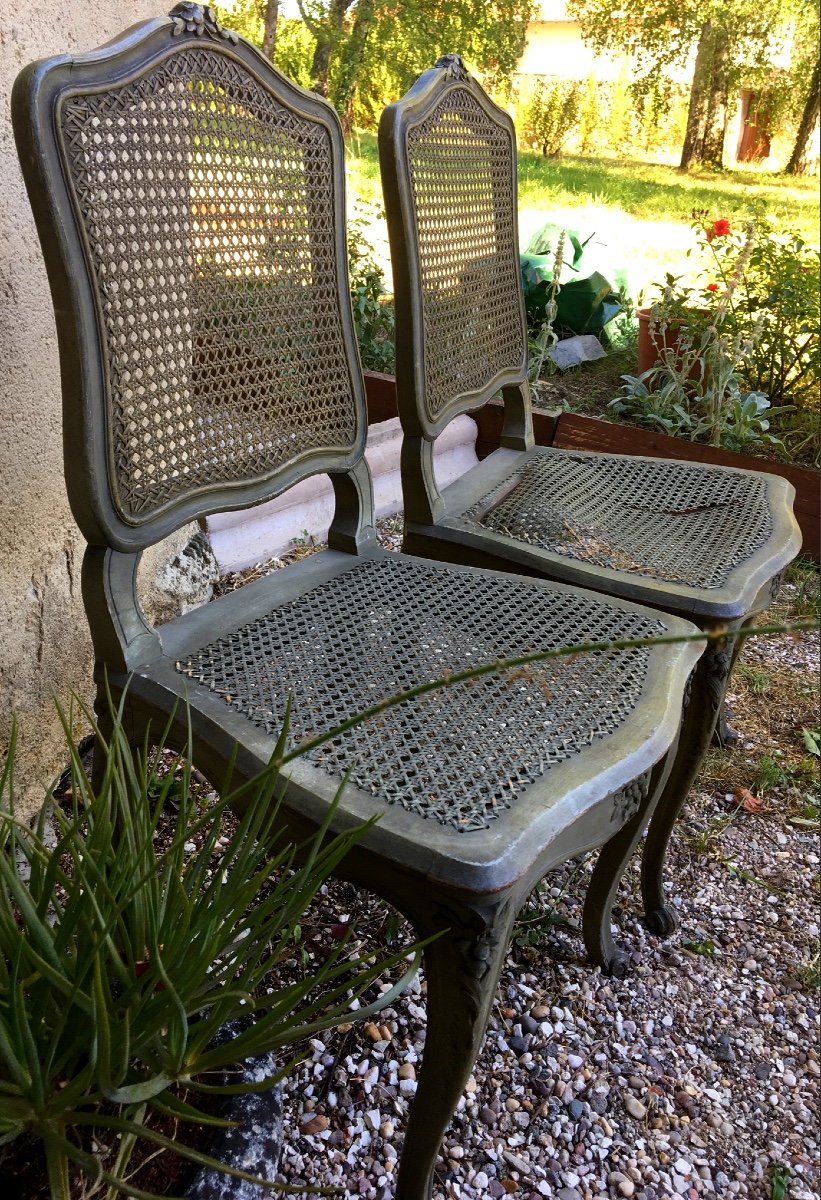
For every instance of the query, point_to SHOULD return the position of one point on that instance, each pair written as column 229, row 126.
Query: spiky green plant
column 119, row 961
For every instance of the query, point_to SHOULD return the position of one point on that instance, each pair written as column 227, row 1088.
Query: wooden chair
column 705, row 542
column 190, row 205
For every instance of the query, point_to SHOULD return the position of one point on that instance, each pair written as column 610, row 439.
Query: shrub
column 120, row 960
column 746, row 345
column 780, row 289
column 373, row 311
column 552, row 114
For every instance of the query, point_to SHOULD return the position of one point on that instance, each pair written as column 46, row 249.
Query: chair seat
column 701, row 538
column 506, row 761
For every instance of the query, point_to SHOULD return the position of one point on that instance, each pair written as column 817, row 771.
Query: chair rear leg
column 462, row 971
column 708, row 686
column 607, row 875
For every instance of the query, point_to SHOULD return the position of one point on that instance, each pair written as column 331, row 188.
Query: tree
column 732, row 40
column 369, row 51
column 365, row 53
column 802, row 84
column 809, row 119
column 326, row 22
column 707, row 111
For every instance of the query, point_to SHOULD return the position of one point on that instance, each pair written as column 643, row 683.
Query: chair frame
column 467, row 892
column 435, row 527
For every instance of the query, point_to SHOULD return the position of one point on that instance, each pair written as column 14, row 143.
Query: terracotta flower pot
column 653, row 342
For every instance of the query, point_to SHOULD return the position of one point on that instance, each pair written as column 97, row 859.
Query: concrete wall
column 44, row 644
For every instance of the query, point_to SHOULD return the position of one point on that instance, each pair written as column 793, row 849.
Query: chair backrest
column 448, row 161
column 190, row 204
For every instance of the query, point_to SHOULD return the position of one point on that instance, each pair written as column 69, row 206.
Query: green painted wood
column 189, row 385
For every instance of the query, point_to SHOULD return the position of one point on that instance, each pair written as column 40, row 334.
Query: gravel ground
column 697, row 1076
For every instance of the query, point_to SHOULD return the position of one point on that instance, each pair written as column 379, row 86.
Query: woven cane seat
column 460, row 756
column 663, row 520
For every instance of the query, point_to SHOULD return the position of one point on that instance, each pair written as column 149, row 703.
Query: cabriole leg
column 724, row 736
column 610, row 866
column 709, row 683
column 462, row 971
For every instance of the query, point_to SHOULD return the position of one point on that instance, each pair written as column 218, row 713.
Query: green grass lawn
column 638, row 213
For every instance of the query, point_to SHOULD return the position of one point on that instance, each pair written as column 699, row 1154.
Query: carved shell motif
column 775, row 585
column 454, row 66
column 198, row 19
column 627, row 801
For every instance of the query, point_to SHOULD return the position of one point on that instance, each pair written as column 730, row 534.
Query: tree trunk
column 715, row 124
column 269, row 33
column 707, row 112
column 797, row 164
column 327, row 40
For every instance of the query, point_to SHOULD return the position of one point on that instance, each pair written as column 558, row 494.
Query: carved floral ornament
column 198, row 19
column 454, row 65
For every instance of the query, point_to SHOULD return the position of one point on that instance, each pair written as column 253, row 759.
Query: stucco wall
column 44, row 645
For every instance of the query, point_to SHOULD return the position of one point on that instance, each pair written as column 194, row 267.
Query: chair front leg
column 640, row 798
column 462, row 969
column 724, row 736
column 702, row 708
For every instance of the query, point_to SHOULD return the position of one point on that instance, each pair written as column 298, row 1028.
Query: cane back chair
column 190, row 205
column 702, row 541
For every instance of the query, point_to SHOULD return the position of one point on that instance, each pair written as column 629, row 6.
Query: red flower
column 720, row 228
column 712, row 287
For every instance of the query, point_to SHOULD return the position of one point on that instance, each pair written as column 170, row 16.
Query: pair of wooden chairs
column 190, row 204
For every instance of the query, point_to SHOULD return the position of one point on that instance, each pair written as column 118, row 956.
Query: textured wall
column 44, row 645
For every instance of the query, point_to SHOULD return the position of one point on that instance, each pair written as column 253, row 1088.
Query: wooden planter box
column 571, row 432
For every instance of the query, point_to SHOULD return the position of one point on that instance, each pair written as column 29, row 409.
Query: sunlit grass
column 639, row 213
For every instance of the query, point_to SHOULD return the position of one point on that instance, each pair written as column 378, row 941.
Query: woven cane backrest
column 207, row 194
column 452, row 155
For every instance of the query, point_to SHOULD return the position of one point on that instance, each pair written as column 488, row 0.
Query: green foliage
column 663, row 34
column 769, row 774
column 779, row 294
column 363, row 54
column 406, row 39
column 295, row 50
column 736, row 44
column 780, row 1181
column 734, row 343
column 373, row 311
column 609, row 117
column 589, row 120
column 812, row 741
column 712, row 408
column 705, row 948
column 756, row 678
column 773, row 287
column 120, row 960
column 804, row 601
column 552, row 114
